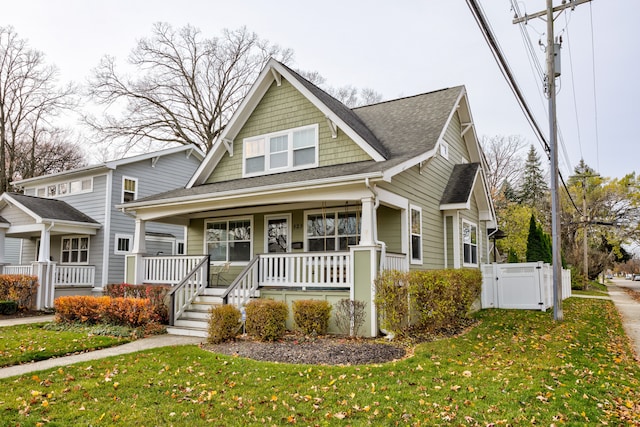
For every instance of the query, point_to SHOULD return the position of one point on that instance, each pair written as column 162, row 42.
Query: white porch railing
column 74, row 275
column 393, row 261
column 168, row 269
column 17, row 269
column 310, row 269
column 186, row 291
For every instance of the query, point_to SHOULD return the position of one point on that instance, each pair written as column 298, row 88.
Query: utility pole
column 553, row 142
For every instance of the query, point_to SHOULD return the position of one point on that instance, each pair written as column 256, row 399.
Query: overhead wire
column 503, row 65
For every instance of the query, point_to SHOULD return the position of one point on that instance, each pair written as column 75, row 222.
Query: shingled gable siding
column 282, row 108
column 425, row 190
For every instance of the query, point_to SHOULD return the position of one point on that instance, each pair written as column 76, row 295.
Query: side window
column 123, row 244
column 75, row 250
column 416, row 234
column 470, row 243
column 129, row 189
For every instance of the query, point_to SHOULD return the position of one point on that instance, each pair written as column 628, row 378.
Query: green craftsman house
column 304, row 198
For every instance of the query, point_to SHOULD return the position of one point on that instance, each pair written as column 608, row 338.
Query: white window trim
column 227, row 220
column 176, row 245
column 45, row 189
column 333, row 212
column 286, row 216
column 469, row 264
column 413, row 260
column 267, row 170
column 118, row 236
column 79, row 236
column 135, row 193
column 444, row 150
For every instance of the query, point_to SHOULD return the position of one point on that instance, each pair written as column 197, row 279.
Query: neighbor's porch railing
column 168, row 269
column 74, row 275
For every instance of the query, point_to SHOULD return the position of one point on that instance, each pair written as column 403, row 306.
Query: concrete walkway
column 137, row 345
column 629, row 310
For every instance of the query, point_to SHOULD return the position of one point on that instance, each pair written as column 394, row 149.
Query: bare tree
column 505, row 160
column 29, row 100
column 349, row 95
column 187, row 87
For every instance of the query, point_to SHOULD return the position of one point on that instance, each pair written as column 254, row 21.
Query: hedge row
column 19, row 288
column 429, row 300
column 133, row 312
column 156, row 294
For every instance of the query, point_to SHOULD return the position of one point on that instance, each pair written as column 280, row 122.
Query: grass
column 512, row 368
column 33, row 342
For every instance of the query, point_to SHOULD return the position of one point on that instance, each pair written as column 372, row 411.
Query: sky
column 399, row 48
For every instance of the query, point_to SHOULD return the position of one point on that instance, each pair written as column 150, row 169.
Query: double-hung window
column 129, row 189
column 228, row 240
column 470, row 243
column 123, row 244
column 416, row 234
column 332, row 231
column 281, row 151
column 75, row 250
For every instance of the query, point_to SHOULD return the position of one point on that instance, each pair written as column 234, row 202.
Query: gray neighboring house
column 65, row 227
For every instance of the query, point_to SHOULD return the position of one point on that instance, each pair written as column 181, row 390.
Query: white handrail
column 192, row 285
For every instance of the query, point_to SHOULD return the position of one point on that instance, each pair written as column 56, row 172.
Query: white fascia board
column 392, row 199
column 10, row 200
column 41, row 180
column 160, row 153
column 245, row 109
column 455, row 206
column 393, row 171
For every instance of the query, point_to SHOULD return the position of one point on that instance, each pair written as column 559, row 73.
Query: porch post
column 367, row 223
column 138, row 251
column 364, row 268
column 3, row 232
column 44, row 270
column 45, row 243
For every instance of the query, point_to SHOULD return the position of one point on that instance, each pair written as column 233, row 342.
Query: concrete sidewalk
column 629, row 310
column 137, row 345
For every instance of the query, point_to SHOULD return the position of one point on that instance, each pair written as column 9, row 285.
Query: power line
column 595, row 102
column 573, row 86
column 503, row 65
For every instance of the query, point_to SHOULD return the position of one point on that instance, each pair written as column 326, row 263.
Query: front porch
column 55, row 280
column 285, row 276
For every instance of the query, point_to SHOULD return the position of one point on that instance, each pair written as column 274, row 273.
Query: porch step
column 189, row 332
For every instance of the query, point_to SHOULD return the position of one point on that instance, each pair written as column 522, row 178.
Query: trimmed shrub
column 392, row 300
column 429, row 300
column 266, row 319
column 224, row 323
column 348, row 310
column 156, row 294
column 80, row 308
column 8, row 307
column 312, row 316
column 133, row 312
column 19, row 288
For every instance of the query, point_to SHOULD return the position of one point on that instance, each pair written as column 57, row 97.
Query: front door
column 277, row 241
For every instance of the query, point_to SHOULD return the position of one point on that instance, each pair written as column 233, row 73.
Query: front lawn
column 32, row 342
column 512, row 368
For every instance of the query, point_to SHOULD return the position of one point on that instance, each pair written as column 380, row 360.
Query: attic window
column 283, row 151
column 444, row 150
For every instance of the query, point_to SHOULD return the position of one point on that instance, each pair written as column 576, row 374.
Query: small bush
column 79, row 308
column 312, row 316
column 392, row 300
column 266, row 319
column 133, row 312
column 224, row 322
column 8, row 307
column 156, row 294
column 18, row 288
column 349, row 311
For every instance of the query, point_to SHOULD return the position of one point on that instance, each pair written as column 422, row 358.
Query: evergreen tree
column 538, row 244
column 533, row 188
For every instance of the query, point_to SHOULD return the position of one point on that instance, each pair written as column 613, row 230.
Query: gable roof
column 113, row 164
column 42, row 209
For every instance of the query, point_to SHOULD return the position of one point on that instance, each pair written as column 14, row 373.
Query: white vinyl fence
column 521, row 286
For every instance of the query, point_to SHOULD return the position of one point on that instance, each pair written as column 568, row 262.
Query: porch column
column 367, row 222
column 138, row 251
column 3, row 232
column 45, row 243
column 364, row 268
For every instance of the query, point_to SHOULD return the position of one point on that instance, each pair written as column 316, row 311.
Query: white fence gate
column 521, row 286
